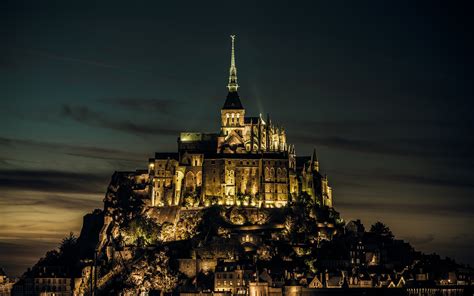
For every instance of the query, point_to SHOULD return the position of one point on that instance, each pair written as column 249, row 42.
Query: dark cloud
column 435, row 148
column 57, row 201
column 53, row 181
column 398, row 124
column 162, row 106
column 85, row 115
column 83, row 151
column 446, row 181
column 429, row 208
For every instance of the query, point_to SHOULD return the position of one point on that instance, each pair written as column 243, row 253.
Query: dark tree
column 381, row 229
column 68, row 250
column 68, row 244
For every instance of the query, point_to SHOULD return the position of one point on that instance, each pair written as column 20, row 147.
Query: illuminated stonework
column 248, row 163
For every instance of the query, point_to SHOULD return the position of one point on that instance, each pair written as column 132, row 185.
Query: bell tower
column 232, row 113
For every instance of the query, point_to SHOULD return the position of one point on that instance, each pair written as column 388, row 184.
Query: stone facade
column 248, row 162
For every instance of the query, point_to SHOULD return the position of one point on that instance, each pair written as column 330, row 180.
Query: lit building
column 46, row 281
column 231, row 277
column 249, row 162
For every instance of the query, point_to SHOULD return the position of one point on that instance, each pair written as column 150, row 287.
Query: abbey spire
column 232, row 101
column 232, row 86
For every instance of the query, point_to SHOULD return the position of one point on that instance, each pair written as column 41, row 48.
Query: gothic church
column 247, row 163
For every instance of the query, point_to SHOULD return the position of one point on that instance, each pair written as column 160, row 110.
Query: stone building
column 249, row 162
column 233, row 278
column 47, row 281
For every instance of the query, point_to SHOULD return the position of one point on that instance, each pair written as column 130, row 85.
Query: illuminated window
column 227, row 115
column 233, row 115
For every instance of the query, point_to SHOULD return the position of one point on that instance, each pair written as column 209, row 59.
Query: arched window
column 190, row 180
column 198, row 179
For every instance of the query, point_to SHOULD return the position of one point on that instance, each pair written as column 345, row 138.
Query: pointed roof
column 314, row 161
column 233, row 100
column 314, row 157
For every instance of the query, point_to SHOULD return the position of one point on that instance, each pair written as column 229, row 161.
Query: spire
column 232, row 86
column 314, row 161
column 232, row 101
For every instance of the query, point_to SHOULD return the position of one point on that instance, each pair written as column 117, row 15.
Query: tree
column 237, row 216
column 68, row 244
column 210, row 221
column 68, row 250
column 152, row 272
column 142, row 231
column 381, row 229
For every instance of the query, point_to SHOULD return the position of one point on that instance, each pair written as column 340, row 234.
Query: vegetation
column 381, row 229
column 151, row 272
column 142, row 232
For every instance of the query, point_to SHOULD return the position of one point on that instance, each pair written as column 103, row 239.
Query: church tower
column 314, row 166
column 232, row 113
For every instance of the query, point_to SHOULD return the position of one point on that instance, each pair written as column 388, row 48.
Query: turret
column 314, row 161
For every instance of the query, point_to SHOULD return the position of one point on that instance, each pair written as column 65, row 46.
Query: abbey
column 248, row 162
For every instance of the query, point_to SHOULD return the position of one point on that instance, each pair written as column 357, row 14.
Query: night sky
column 382, row 89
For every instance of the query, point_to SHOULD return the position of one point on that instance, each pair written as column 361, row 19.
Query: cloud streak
column 429, row 181
column 87, row 116
column 83, row 151
column 163, row 106
column 408, row 208
column 52, row 181
column 51, row 200
column 435, row 148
